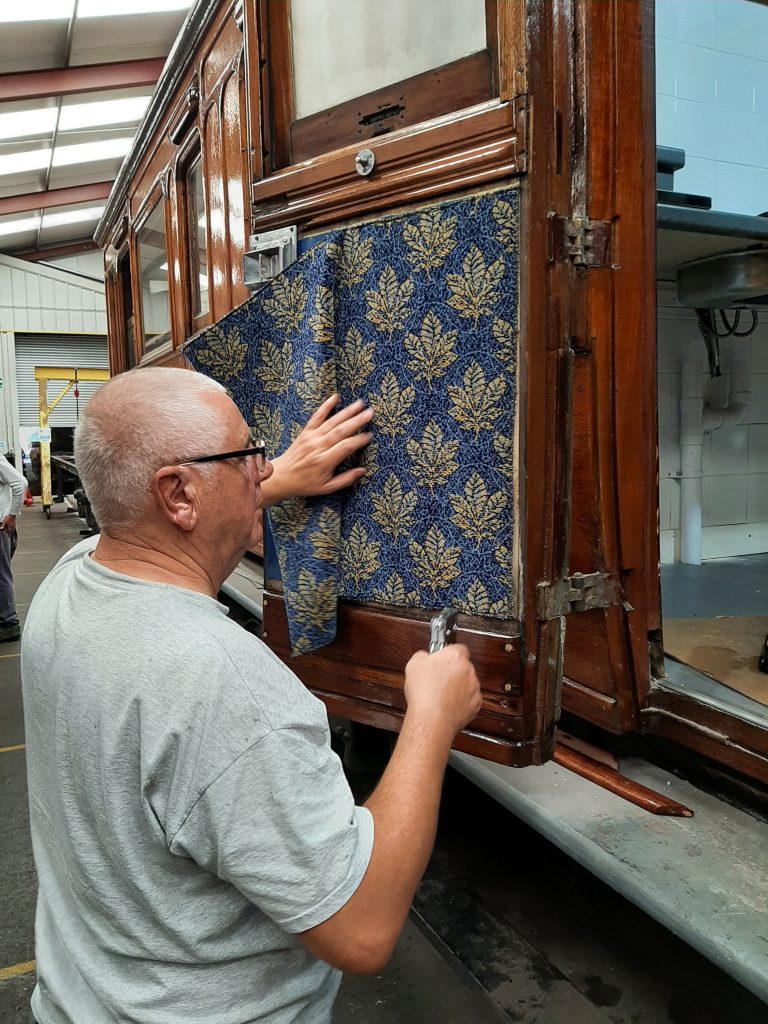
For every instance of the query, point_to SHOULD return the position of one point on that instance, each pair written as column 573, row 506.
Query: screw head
column 365, row 162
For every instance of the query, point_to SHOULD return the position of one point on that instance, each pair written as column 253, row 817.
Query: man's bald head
column 133, row 425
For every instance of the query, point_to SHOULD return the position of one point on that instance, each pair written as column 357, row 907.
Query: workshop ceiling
column 76, row 79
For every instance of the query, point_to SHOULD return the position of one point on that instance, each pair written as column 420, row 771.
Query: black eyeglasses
column 258, row 452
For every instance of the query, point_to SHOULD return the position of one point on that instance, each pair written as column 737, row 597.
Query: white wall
column 734, row 456
column 712, row 98
column 36, row 298
column 90, row 264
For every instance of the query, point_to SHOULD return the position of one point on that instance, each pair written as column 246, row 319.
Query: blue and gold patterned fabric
column 417, row 315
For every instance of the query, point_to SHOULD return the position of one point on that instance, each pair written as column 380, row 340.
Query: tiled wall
column 734, row 456
column 712, row 98
column 712, row 102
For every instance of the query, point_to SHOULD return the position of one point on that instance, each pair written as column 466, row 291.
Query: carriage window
column 153, row 271
column 198, row 255
column 363, row 70
column 125, row 307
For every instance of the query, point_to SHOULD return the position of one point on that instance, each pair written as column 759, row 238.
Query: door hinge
column 579, row 240
column 577, row 593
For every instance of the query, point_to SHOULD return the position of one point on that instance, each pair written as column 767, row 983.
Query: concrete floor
column 507, row 927
column 720, row 586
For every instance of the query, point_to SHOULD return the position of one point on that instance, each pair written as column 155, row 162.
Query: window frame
column 460, row 84
column 118, row 279
column 190, row 153
column 463, row 149
column 156, row 197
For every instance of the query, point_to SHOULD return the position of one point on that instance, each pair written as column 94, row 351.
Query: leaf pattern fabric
column 417, row 315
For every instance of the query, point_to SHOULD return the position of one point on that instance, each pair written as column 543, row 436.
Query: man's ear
column 176, row 490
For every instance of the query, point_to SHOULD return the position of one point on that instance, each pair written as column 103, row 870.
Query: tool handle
column 441, row 629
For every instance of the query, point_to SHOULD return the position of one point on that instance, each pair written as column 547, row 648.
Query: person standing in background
column 13, row 487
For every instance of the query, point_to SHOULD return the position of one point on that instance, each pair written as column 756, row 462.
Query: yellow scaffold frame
column 72, row 376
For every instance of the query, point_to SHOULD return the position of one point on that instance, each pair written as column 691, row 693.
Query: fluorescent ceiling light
column 38, row 10
column 52, row 220
column 28, row 160
column 107, row 8
column 93, row 115
column 42, row 120
column 86, row 152
column 64, row 156
column 23, row 123
column 18, row 227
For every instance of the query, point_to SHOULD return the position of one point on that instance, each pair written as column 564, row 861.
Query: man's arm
column 309, row 465
column 443, row 695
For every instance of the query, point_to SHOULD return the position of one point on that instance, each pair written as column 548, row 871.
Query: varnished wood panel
column 458, row 152
column 708, row 731
column 512, row 48
column 515, row 753
column 226, row 171
column 224, row 46
column 220, row 289
column 276, row 55
column 613, row 334
column 236, row 163
column 387, row 638
column 462, row 83
column 498, row 735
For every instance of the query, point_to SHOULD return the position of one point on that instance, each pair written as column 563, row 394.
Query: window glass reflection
column 198, row 256
column 153, row 270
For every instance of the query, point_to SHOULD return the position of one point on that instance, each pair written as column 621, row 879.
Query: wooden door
column 614, row 656
column 441, row 137
column 613, row 513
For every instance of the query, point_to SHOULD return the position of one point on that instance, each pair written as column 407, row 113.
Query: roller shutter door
column 56, row 350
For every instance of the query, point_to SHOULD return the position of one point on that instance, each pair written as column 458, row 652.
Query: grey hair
column 136, row 423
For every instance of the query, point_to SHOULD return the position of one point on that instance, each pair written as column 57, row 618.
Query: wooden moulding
column 514, row 753
column 711, row 732
column 386, row 640
column 461, row 151
column 363, row 678
column 608, row 778
column 330, row 679
column 462, row 83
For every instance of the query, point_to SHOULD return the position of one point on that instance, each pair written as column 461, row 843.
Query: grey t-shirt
column 188, row 815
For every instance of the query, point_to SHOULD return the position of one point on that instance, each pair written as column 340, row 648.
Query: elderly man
column 199, row 854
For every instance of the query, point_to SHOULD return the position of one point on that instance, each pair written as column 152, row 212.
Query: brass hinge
column 577, row 593
column 579, row 240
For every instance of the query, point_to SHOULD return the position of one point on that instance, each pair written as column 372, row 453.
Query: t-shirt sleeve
column 17, row 483
column 280, row 823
